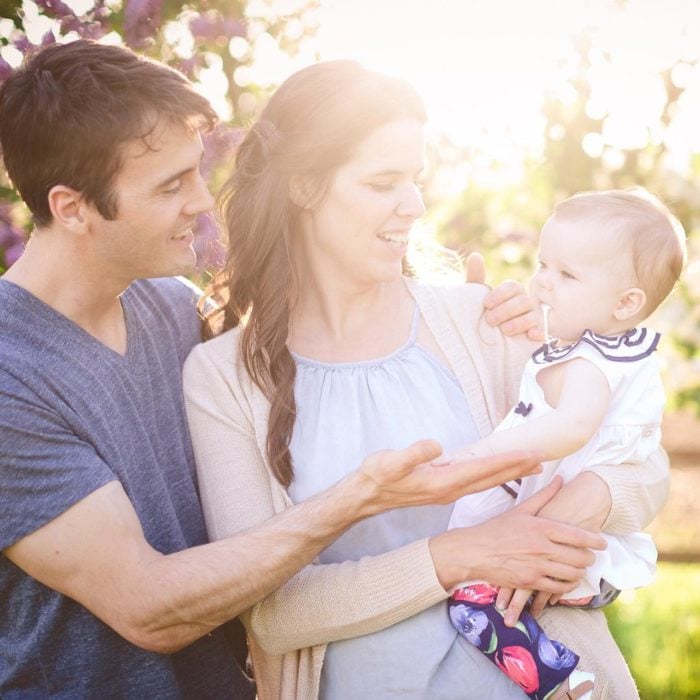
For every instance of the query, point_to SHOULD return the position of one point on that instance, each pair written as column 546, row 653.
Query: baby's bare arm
column 583, row 400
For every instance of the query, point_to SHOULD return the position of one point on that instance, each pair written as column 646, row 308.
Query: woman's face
column 360, row 229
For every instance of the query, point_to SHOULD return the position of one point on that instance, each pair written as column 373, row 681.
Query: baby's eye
column 567, row 275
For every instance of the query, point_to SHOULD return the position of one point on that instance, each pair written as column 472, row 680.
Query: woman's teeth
column 397, row 239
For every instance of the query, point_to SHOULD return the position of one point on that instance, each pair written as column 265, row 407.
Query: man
column 107, row 585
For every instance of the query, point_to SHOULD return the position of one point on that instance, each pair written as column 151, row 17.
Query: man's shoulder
column 167, row 308
column 168, row 291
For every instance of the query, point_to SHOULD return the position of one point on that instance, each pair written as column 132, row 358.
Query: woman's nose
column 411, row 203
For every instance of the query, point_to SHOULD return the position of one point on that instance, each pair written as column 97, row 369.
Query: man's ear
column 301, row 191
column 68, row 208
column 630, row 304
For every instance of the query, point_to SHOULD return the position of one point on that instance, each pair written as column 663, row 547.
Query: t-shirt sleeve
column 45, row 467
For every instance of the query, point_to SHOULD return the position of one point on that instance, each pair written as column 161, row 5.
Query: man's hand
column 517, row 550
column 508, row 305
column 398, row 478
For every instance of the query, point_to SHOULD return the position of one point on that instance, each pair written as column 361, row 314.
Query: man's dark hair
column 67, row 112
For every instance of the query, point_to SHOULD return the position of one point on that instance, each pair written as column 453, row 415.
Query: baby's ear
column 630, row 304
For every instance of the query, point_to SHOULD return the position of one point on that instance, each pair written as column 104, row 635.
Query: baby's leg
column 524, row 653
column 587, row 632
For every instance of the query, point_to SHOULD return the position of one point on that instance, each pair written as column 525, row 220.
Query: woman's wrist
column 443, row 547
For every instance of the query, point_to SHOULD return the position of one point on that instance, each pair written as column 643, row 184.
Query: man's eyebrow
column 175, row 176
column 180, row 173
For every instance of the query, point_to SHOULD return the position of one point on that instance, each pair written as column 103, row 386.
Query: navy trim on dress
column 631, row 346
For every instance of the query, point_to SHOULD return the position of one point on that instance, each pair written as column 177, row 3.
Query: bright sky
column 484, row 66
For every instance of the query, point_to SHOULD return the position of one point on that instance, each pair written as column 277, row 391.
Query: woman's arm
column 320, row 603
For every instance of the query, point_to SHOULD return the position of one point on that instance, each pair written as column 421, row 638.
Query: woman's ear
column 68, row 208
column 630, row 304
column 300, row 191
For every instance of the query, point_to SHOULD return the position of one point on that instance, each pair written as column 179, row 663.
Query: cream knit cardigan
column 289, row 629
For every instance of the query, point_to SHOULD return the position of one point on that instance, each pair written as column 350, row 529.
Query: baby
column 591, row 395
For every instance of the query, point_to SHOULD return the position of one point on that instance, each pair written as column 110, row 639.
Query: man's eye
column 175, row 189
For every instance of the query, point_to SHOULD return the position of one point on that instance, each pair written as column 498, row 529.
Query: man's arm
column 95, row 551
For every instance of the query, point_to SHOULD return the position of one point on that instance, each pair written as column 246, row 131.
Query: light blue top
column 344, row 412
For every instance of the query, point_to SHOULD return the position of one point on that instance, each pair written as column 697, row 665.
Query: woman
column 340, row 355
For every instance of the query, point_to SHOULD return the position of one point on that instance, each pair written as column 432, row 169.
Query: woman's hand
column 508, row 306
column 585, row 502
column 517, row 550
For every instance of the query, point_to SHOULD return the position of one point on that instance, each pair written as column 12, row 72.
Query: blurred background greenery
column 528, row 103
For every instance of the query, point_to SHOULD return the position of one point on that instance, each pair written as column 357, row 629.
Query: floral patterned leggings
column 524, row 653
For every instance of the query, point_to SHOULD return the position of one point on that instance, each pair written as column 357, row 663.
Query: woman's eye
column 382, row 186
column 541, row 265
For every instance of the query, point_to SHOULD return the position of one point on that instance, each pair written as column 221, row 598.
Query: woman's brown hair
column 309, row 128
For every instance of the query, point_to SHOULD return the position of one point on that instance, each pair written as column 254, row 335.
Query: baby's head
column 606, row 261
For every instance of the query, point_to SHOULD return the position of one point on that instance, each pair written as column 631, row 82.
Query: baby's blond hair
column 647, row 230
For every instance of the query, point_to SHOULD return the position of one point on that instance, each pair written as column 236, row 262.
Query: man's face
column 159, row 193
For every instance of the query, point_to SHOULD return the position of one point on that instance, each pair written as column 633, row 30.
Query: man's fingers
column 391, row 466
column 475, row 268
column 476, row 474
column 421, row 452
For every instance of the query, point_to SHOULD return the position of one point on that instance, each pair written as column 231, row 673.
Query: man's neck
column 74, row 288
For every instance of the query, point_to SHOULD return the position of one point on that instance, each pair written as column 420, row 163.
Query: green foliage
column 658, row 631
column 193, row 37
column 501, row 216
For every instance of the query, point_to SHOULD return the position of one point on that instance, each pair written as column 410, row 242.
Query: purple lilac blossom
column 219, row 145
column 142, row 19
column 12, row 253
column 211, row 25
column 6, row 70
column 211, row 253
column 55, row 8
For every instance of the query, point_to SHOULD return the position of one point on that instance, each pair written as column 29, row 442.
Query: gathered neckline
column 409, row 343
